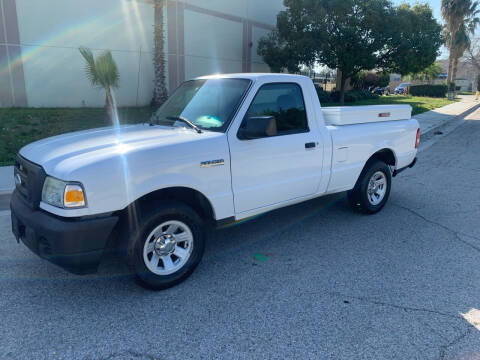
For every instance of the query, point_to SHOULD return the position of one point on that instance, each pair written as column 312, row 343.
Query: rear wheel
column 167, row 247
column 372, row 190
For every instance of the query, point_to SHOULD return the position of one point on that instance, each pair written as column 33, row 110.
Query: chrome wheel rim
column 377, row 188
column 168, row 247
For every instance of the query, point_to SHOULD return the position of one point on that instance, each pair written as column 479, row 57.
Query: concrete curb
column 5, row 202
column 6, row 180
column 4, row 212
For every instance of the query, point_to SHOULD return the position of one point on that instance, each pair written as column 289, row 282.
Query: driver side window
column 284, row 102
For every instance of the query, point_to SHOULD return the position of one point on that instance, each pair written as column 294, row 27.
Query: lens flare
column 91, row 28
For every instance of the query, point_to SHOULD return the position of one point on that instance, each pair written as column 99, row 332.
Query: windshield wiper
column 186, row 121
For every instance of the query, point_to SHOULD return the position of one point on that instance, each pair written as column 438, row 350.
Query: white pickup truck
column 221, row 149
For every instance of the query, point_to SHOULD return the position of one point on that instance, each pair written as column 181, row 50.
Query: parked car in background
column 381, row 90
column 402, row 89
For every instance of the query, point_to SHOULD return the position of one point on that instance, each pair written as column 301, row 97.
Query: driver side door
column 275, row 169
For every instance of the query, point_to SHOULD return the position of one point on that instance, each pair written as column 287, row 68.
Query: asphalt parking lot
column 313, row 281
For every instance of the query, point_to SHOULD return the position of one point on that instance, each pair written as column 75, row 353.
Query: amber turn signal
column 74, row 196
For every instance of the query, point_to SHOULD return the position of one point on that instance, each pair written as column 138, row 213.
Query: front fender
column 111, row 184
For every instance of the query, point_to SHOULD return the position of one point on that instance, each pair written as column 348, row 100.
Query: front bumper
column 76, row 245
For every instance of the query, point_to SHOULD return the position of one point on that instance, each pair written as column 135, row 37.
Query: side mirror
column 257, row 127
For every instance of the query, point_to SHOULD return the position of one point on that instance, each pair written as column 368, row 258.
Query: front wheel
column 167, row 247
column 372, row 190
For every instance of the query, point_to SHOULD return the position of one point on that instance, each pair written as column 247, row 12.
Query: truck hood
column 99, row 143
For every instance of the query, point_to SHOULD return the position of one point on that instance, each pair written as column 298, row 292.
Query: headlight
column 63, row 194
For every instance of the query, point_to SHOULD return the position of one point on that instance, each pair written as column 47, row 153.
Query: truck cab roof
column 255, row 76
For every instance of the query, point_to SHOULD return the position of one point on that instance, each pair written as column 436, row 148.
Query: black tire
column 171, row 211
column 358, row 197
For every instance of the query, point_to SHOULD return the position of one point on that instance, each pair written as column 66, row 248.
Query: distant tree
column 473, row 58
column 430, row 73
column 103, row 72
column 160, row 93
column 351, row 36
column 366, row 79
column 384, row 79
column 371, row 79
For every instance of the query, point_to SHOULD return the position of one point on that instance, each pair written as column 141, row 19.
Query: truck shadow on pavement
column 251, row 242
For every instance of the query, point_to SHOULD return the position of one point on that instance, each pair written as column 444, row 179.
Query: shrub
column 368, row 79
column 353, row 96
column 438, row 91
column 350, row 96
column 335, row 96
column 362, row 95
column 323, row 96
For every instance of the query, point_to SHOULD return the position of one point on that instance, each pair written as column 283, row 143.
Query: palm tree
column 160, row 93
column 462, row 43
column 462, row 38
column 459, row 15
column 103, row 72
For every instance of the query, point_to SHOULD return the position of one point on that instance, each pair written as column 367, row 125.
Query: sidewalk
column 429, row 121
column 6, row 180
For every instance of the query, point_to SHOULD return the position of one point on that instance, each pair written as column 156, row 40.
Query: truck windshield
column 208, row 104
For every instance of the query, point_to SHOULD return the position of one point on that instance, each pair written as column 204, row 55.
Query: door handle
column 310, row 145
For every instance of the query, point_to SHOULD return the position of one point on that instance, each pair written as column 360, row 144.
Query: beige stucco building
column 40, row 65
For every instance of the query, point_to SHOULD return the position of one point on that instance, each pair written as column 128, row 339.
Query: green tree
column 416, row 37
column 103, row 72
column 160, row 93
column 430, row 73
column 351, row 36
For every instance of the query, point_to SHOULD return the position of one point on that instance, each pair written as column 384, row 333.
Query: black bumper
column 396, row 172
column 76, row 245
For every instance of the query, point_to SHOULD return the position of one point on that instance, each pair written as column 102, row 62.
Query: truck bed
column 352, row 144
column 350, row 115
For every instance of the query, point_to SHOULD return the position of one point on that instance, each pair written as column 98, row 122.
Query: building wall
column 40, row 65
column 464, row 84
column 12, row 84
column 217, row 36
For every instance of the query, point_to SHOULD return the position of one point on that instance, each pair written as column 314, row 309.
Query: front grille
column 29, row 178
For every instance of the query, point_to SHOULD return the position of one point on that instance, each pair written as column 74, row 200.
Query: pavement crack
column 132, row 354
column 455, row 341
column 454, row 232
column 457, row 236
column 397, row 306
column 443, row 348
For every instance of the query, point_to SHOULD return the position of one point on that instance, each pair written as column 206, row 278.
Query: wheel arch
column 386, row 155
column 189, row 196
column 131, row 216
